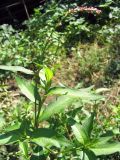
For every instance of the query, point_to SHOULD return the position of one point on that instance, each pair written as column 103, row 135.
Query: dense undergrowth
column 80, row 42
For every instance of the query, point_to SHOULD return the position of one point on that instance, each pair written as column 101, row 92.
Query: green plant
column 50, row 33
column 93, row 147
column 93, row 61
column 37, row 135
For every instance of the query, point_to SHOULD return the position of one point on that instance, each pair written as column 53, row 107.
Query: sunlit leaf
column 2, row 120
column 106, row 149
column 10, row 137
column 57, row 106
column 16, row 69
column 88, row 124
column 86, row 95
column 12, row 127
column 79, row 133
column 104, row 146
column 106, row 4
column 102, row 140
column 24, row 148
column 46, row 137
column 46, row 142
column 48, row 74
column 101, row 90
column 28, row 89
column 42, row 77
column 83, row 132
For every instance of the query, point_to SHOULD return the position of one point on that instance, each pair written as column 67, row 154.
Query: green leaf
column 10, row 137
column 83, row 132
column 80, row 133
column 24, row 148
column 86, row 95
column 48, row 74
column 41, row 132
column 88, row 124
column 57, row 106
column 12, row 127
column 102, row 140
column 28, row 89
column 102, row 90
column 46, row 142
column 106, row 4
column 16, row 69
column 85, row 157
column 47, row 137
column 42, row 77
column 89, row 155
column 106, row 149
column 2, row 120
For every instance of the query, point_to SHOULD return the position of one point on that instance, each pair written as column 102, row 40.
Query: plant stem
column 39, row 107
column 26, row 10
column 35, row 114
column 36, row 126
column 44, row 48
column 83, row 156
column 52, row 152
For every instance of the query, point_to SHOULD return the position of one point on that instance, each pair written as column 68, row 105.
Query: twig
column 26, row 10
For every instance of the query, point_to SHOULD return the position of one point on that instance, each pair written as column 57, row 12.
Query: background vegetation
column 80, row 42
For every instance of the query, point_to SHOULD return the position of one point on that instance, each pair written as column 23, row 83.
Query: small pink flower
column 87, row 9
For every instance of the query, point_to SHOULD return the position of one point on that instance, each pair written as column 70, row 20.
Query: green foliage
column 28, row 132
column 16, row 69
column 64, row 128
column 100, row 146
column 51, row 32
column 57, row 107
column 109, row 33
column 93, row 62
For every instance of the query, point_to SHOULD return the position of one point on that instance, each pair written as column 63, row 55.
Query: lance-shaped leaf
column 86, row 95
column 57, row 106
column 89, row 155
column 24, row 148
column 28, row 89
column 88, row 124
column 102, row 90
column 102, row 140
column 107, row 148
column 16, row 69
column 80, row 133
column 12, row 127
column 106, row 4
column 103, row 146
column 46, row 137
column 83, row 132
column 48, row 142
column 10, row 137
column 46, row 76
